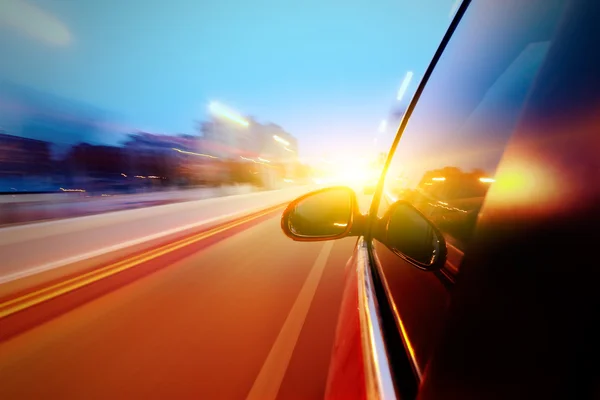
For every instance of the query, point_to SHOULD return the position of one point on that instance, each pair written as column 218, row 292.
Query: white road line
column 142, row 212
column 122, row 245
column 267, row 383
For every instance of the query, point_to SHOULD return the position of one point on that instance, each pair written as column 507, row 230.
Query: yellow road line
column 20, row 303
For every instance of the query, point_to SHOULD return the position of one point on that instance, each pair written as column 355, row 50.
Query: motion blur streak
column 31, row 20
column 280, row 140
column 222, row 111
column 29, row 300
column 200, row 328
column 404, row 85
column 192, row 153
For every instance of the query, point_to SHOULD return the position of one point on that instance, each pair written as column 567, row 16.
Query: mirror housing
column 324, row 214
column 411, row 236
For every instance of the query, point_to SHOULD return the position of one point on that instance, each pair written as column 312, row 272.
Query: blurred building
column 180, row 159
column 267, row 150
column 164, row 144
column 152, row 156
column 41, row 131
column 49, row 141
column 275, row 143
column 232, row 140
column 25, row 164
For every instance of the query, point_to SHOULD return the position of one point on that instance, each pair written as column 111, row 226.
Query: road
column 27, row 208
column 249, row 312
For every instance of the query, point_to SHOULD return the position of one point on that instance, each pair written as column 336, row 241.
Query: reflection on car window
column 455, row 138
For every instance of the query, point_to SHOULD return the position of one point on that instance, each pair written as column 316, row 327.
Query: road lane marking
column 143, row 210
column 266, row 386
column 20, row 303
column 116, row 247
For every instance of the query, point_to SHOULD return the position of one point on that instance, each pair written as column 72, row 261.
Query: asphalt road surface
column 250, row 315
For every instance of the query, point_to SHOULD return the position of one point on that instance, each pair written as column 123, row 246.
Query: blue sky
column 326, row 70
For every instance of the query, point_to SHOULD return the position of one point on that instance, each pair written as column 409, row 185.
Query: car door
column 443, row 161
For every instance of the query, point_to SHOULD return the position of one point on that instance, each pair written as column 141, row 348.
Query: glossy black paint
column 393, row 231
column 521, row 321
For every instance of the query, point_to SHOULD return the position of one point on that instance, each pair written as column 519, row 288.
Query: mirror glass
column 323, row 214
column 412, row 235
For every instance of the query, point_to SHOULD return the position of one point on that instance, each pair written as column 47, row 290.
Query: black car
column 479, row 278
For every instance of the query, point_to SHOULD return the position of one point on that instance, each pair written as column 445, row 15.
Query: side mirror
column 409, row 234
column 324, row 214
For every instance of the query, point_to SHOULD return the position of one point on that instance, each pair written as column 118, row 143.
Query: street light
column 222, row 111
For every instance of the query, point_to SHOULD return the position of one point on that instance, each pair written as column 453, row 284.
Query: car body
column 500, row 149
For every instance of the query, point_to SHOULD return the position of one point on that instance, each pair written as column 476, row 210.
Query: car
column 478, row 279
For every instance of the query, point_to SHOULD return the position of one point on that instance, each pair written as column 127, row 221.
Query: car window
column 455, row 137
column 447, row 156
